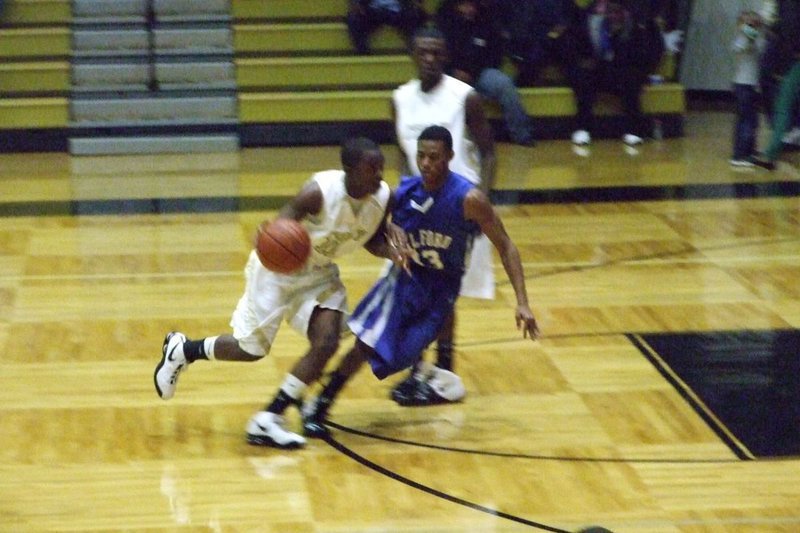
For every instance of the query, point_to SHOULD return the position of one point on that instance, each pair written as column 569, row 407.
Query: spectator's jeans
column 744, row 132
column 627, row 82
column 498, row 86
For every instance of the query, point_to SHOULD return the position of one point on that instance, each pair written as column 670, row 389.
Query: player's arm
column 481, row 133
column 308, row 201
column 478, row 208
column 389, row 240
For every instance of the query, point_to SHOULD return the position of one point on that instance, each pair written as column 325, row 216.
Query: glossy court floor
column 662, row 397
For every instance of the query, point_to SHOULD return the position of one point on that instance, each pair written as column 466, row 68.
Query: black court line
column 535, row 457
column 143, row 206
column 443, row 495
column 735, row 445
column 649, row 257
column 700, row 191
column 222, row 204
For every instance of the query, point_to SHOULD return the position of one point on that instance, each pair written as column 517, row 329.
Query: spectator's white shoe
column 581, row 151
column 632, row 140
column 792, row 137
column 581, row 138
column 266, row 429
column 742, row 163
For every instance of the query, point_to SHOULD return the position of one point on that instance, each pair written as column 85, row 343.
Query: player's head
column 467, row 9
column 434, row 152
column 429, row 51
column 437, row 133
column 362, row 161
column 617, row 13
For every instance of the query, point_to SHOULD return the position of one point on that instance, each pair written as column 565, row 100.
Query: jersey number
column 431, row 258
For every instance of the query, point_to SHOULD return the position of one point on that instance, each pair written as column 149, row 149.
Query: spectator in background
column 771, row 70
column 616, row 55
column 667, row 15
column 366, row 16
column 475, row 47
column 787, row 33
column 536, row 35
column 768, row 63
column 747, row 46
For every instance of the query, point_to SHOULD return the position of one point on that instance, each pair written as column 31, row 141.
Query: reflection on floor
column 748, row 380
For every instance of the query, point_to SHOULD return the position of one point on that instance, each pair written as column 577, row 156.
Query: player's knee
column 250, row 356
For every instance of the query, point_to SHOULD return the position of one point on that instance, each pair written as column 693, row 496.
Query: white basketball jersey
column 444, row 105
column 344, row 224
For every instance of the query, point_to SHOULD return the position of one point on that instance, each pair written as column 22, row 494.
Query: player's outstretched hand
column 400, row 250
column 527, row 322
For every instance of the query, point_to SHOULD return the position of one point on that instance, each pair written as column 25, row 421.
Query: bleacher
column 269, row 72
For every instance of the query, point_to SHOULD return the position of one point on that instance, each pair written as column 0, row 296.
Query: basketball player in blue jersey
column 435, row 218
column 434, row 98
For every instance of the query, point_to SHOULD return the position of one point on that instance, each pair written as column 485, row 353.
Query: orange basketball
column 283, row 245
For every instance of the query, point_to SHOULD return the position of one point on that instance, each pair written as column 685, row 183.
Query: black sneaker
column 763, row 163
column 423, row 395
column 406, row 388
column 315, row 412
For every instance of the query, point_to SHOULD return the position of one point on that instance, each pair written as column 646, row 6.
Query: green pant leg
column 787, row 95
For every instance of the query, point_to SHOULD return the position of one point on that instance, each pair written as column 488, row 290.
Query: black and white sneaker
column 432, row 386
column 406, row 388
column 173, row 362
column 315, row 413
column 267, row 429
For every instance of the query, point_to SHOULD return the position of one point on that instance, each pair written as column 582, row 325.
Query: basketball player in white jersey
column 435, row 98
column 342, row 210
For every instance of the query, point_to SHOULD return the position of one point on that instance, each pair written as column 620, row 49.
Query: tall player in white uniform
column 342, row 210
column 438, row 99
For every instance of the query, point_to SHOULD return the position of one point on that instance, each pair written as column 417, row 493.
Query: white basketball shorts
column 270, row 298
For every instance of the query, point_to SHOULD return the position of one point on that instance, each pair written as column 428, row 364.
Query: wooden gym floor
column 663, row 396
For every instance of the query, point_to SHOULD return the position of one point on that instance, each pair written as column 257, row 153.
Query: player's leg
column 478, row 282
column 319, row 301
column 266, row 428
column 259, row 310
column 445, row 341
column 316, row 411
column 178, row 352
column 407, row 392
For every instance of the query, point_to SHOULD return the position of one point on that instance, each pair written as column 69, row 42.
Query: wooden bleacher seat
column 360, row 105
column 297, row 78
column 36, row 13
column 38, row 42
column 34, row 70
column 34, row 77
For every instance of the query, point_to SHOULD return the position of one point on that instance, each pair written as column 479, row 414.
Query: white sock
column 208, row 346
column 293, row 387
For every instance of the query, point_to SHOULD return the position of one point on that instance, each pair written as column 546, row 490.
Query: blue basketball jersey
column 402, row 314
column 435, row 224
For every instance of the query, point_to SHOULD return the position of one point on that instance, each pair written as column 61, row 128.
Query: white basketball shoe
column 267, row 429
column 173, row 362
